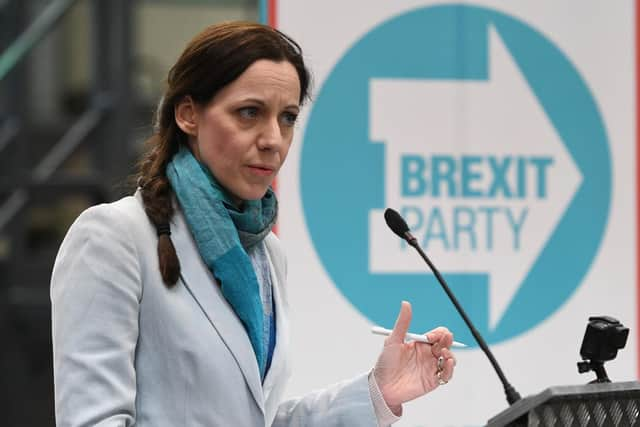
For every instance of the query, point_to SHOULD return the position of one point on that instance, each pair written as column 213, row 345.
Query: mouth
column 262, row 170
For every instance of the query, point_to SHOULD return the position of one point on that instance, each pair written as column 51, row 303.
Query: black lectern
column 597, row 405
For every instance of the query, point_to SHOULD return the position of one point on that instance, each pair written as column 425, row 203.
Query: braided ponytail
column 157, row 196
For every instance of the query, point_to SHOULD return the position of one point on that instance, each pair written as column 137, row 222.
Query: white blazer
column 130, row 351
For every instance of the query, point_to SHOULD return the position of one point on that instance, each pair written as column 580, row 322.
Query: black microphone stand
column 512, row 394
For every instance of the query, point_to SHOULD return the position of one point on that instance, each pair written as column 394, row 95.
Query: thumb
column 402, row 324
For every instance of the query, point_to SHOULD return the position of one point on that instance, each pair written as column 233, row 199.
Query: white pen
column 409, row 336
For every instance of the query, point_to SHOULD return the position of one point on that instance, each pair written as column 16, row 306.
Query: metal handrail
column 39, row 28
column 89, row 120
column 63, row 149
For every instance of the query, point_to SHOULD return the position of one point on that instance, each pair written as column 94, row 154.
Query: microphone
column 399, row 226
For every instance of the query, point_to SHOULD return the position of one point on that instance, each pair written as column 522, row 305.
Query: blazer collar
column 200, row 283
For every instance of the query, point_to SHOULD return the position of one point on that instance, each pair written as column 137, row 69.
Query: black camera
column 602, row 340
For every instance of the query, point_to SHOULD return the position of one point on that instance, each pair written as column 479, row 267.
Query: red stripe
column 637, row 63
column 271, row 13
column 272, row 21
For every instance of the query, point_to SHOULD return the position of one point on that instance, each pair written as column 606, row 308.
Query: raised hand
column 405, row 371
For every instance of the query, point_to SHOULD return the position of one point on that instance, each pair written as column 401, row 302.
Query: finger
column 448, row 354
column 448, row 365
column 435, row 335
column 439, row 332
column 402, row 324
column 440, row 337
column 447, row 338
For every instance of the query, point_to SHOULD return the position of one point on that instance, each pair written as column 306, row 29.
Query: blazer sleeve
column 95, row 293
column 344, row 404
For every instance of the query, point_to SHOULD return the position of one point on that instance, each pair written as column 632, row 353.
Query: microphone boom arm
column 511, row 393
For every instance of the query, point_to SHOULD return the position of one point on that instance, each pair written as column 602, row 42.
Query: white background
column 331, row 339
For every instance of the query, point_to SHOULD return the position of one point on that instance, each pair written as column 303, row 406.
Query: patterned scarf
column 223, row 235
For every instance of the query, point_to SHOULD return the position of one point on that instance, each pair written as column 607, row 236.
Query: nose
column 271, row 135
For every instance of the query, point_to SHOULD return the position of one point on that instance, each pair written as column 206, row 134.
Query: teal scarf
column 223, row 234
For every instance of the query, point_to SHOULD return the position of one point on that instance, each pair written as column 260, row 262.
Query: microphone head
column 396, row 223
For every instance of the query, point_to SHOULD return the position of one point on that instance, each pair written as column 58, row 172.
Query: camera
column 602, row 340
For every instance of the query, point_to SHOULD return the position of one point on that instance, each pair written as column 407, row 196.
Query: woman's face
column 243, row 134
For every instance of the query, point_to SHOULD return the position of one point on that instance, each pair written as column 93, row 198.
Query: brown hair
column 213, row 59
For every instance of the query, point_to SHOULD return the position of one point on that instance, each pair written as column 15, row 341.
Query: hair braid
column 157, row 196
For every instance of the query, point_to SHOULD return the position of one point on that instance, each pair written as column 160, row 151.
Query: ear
column 186, row 116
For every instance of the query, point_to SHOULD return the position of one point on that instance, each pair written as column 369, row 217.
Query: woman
column 169, row 306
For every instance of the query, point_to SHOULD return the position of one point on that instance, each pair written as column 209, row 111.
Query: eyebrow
column 262, row 103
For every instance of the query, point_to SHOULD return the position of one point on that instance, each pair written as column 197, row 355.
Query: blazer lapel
column 200, row 282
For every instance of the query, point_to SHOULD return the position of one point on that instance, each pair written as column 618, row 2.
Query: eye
column 248, row 112
column 289, row 118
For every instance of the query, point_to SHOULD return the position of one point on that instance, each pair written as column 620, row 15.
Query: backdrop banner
column 504, row 132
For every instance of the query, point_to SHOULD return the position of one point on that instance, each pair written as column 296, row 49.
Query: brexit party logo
column 483, row 135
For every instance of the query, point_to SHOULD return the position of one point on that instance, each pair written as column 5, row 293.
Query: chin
column 255, row 194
